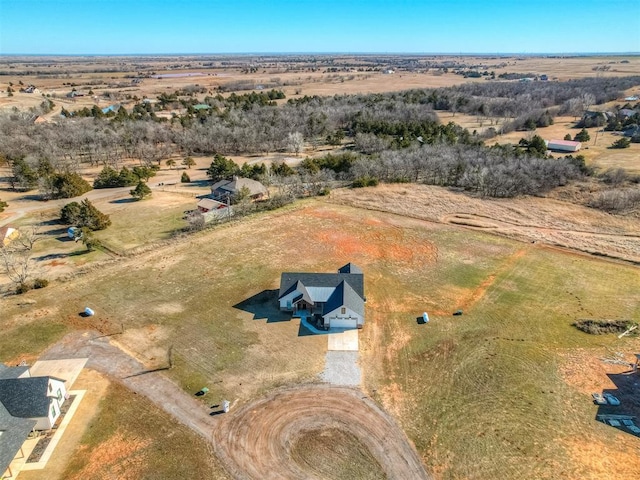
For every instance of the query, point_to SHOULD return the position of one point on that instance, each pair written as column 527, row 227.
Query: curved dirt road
column 255, row 441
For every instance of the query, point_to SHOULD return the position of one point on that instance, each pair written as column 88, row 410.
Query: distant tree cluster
column 110, row 178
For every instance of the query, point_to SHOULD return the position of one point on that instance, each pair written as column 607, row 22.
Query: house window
column 53, row 410
column 343, row 310
column 50, row 388
column 59, row 394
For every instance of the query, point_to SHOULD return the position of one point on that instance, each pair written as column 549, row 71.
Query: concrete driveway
column 345, row 341
column 64, row 369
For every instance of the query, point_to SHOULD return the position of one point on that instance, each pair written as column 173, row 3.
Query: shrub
column 601, row 327
column 364, row 182
column 582, row 136
column 40, row 283
column 185, row 178
column 22, row 288
column 621, row 143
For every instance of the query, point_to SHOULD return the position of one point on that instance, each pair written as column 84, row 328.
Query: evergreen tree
column 141, row 191
column 582, row 136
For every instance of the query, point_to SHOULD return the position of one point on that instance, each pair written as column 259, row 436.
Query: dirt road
column 255, row 441
column 106, row 358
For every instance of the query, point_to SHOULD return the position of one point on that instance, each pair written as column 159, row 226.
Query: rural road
column 254, row 441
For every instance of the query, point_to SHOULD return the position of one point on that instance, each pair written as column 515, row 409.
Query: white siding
column 348, row 319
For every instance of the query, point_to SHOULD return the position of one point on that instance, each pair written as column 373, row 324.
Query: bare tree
column 16, row 256
column 295, row 142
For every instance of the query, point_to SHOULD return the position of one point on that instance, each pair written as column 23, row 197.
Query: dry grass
column 334, row 453
column 130, row 438
column 480, row 395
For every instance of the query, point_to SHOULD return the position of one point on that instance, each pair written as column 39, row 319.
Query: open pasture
column 481, row 396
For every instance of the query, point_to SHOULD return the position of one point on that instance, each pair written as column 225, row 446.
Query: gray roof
column 289, row 280
column 350, row 268
column 236, row 184
column 14, row 433
column 11, row 372
column 25, row 397
column 346, row 296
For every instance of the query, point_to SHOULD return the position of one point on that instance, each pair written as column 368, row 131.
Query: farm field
column 491, row 394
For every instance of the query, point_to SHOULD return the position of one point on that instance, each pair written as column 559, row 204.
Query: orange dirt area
column 255, row 442
column 596, row 459
column 374, row 240
column 584, row 370
column 119, row 457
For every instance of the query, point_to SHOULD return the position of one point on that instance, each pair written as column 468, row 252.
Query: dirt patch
column 595, row 459
column 148, row 344
column 584, row 370
column 256, row 441
column 169, row 308
column 119, row 457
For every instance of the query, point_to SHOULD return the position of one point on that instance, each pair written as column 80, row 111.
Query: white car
column 611, row 399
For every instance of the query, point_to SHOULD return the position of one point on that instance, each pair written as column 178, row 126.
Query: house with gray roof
column 335, row 300
column 26, row 403
column 35, row 398
column 13, row 433
column 229, row 189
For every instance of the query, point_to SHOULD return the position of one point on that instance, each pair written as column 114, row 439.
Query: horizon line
column 463, row 54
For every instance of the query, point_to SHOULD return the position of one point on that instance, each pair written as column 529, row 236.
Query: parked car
column 611, row 399
column 599, row 399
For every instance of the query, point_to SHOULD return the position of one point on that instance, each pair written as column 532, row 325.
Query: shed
column 563, row 145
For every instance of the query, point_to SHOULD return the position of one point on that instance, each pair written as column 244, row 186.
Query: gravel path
column 341, row 368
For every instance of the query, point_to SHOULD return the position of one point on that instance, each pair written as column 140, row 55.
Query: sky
column 111, row 27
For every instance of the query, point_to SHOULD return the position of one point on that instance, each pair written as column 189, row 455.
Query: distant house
column 563, row 145
column 31, row 89
column 544, row 77
column 110, row 108
column 201, row 106
column 388, row 71
column 334, row 300
column 74, row 94
column 225, row 189
column 627, row 112
column 632, row 131
column 208, row 204
column 7, row 235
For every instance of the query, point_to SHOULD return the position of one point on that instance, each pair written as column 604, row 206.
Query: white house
column 334, row 300
column 34, row 398
column 563, row 145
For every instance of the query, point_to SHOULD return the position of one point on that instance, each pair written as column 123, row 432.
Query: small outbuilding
column 563, row 145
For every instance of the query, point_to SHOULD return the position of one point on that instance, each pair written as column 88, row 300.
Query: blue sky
column 283, row 26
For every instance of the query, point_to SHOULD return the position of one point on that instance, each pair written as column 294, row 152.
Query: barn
column 563, row 145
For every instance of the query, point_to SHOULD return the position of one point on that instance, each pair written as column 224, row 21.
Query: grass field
column 482, row 396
